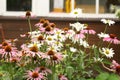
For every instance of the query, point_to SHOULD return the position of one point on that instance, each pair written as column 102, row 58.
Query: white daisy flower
column 98, row 59
column 84, row 43
column 59, row 37
column 108, row 52
column 72, row 49
column 109, row 22
column 53, row 48
column 58, row 44
column 49, row 39
column 34, row 33
column 76, row 12
column 70, row 34
column 103, row 35
column 34, row 44
column 78, row 26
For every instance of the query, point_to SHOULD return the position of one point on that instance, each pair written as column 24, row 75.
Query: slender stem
column 109, row 45
column 28, row 18
column 76, row 18
column 53, row 69
column 105, row 29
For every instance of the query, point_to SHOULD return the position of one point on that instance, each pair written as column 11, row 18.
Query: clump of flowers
column 51, row 53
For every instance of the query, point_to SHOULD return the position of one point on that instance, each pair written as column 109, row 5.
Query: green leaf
column 90, row 79
column 69, row 71
column 113, row 77
column 102, row 76
column 55, row 76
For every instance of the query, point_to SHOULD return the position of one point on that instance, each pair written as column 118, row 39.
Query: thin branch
column 107, row 67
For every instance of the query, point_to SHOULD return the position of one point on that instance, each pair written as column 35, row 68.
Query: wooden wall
column 14, row 26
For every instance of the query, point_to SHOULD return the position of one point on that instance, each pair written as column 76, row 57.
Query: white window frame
column 41, row 8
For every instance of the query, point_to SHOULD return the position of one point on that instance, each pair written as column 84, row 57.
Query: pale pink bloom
column 88, row 31
column 112, row 39
column 14, row 59
column 79, row 36
column 60, row 56
column 47, row 30
column 114, row 64
column 56, row 57
column 70, row 34
column 45, row 70
column 56, row 29
column 34, row 75
column 44, row 56
column 42, row 29
column 9, row 42
column 22, row 35
column 39, row 24
column 31, row 51
column 4, row 43
column 8, row 52
column 75, row 39
column 62, row 77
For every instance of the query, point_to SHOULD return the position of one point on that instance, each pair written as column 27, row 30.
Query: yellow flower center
column 49, row 38
column 107, row 52
column 75, row 12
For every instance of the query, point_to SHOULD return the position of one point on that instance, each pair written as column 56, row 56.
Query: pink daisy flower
column 88, row 31
column 112, row 39
column 34, row 75
column 56, row 57
column 39, row 24
column 45, row 70
column 8, row 51
column 4, row 44
column 31, row 51
column 14, row 59
column 115, row 66
column 79, row 35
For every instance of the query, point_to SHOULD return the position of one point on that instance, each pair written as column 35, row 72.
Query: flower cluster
column 51, row 53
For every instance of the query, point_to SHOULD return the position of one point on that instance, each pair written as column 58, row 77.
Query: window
column 48, row 7
column 18, row 5
column 87, row 6
column 110, row 6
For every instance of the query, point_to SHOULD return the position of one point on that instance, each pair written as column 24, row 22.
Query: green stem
column 109, row 45
column 29, row 24
column 105, row 29
column 53, row 69
column 76, row 18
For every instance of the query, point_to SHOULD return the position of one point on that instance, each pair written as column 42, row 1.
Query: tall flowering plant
column 51, row 53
